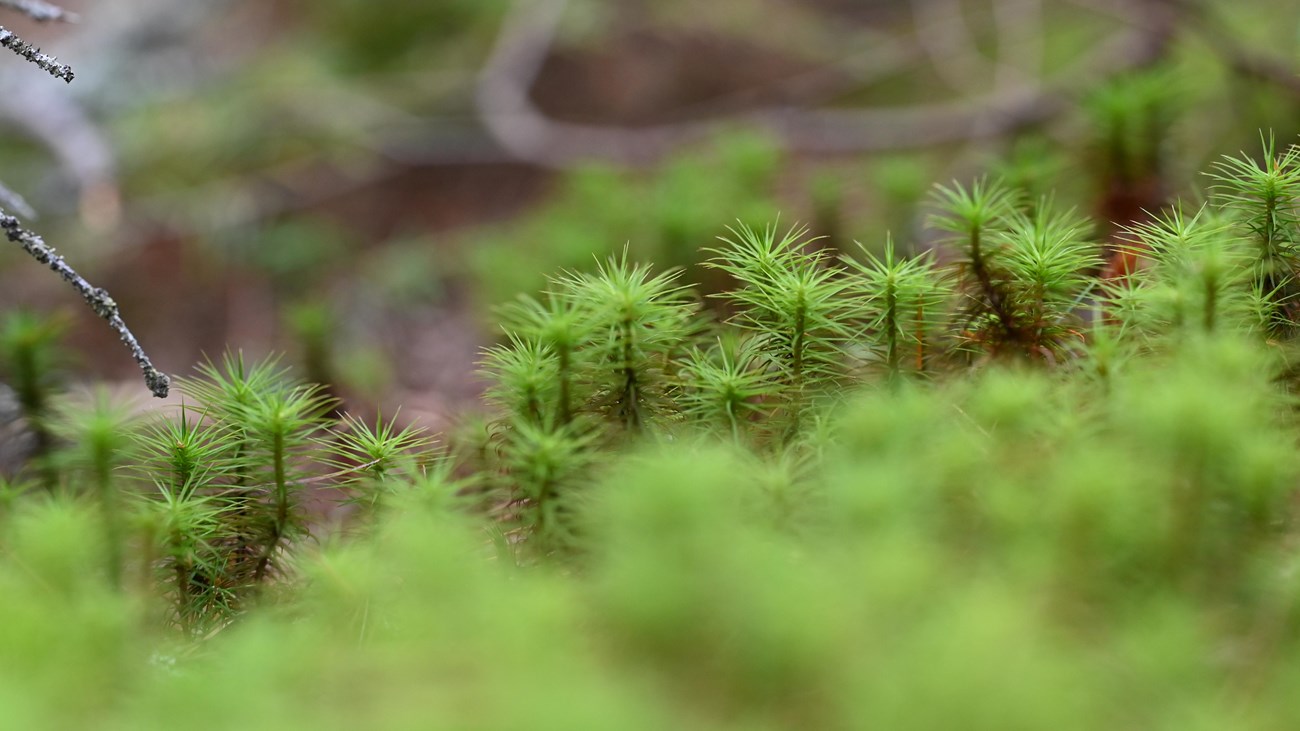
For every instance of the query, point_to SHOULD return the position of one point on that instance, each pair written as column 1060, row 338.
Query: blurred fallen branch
column 1022, row 30
column 1263, row 68
column 40, row 10
column 523, row 130
column 10, row 199
column 62, row 125
column 1019, row 25
column 1240, row 59
column 509, row 128
column 941, row 30
column 854, row 71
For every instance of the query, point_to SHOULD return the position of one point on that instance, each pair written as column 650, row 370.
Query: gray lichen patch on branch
column 98, row 299
column 47, row 62
column 40, row 10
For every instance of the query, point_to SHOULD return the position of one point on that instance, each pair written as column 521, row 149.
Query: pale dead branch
column 524, row 131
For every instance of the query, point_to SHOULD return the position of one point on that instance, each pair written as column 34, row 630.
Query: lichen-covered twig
column 49, row 63
column 40, row 10
column 97, row 298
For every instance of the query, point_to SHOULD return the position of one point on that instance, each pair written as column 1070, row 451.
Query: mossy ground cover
column 1001, row 487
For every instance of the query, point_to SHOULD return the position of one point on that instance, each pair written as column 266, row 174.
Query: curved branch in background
column 527, row 133
column 853, row 71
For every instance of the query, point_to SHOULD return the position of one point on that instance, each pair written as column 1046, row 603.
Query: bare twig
column 48, row 63
column 98, row 299
column 40, row 10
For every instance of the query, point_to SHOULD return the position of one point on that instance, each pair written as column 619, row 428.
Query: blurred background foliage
column 396, row 169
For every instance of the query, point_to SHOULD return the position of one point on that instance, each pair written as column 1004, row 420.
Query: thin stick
column 49, row 63
column 97, row 298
